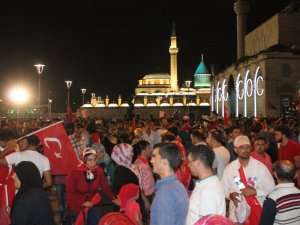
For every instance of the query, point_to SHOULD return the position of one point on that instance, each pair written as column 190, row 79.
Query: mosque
column 159, row 94
column 263, row 81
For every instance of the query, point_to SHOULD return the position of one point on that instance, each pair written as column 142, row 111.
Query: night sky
column 106, row 46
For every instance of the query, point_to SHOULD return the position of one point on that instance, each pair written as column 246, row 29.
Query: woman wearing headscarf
column 83, row 184
column 105, row 162
column 126, row 172
column 31, row 204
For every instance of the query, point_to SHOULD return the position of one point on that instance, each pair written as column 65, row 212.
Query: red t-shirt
column 289, row 151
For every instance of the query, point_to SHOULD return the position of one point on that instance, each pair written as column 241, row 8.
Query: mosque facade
column 264, row 80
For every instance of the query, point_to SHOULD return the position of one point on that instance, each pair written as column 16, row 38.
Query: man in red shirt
column 288, row 149
column 260, row 146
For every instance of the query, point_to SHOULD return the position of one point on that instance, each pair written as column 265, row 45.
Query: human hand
column 248, row 191
column 233, row 196
column 116, row 202
column 87, row 204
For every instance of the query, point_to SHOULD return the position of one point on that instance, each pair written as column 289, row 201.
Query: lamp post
column 83, row 90
column 39, row 68
column 49, row 107
column 188, row 85
column 69, row 83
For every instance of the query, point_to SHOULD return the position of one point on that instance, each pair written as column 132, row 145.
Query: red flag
column 226, row 118
column 133, row 124
column 58, row 148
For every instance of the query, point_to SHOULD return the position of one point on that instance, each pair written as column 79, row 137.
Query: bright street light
column 18, row 95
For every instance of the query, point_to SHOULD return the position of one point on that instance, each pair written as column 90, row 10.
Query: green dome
column 202, row 77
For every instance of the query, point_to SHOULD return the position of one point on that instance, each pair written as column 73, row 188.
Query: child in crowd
column 128, row 195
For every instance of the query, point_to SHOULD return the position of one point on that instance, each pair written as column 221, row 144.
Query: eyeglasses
column 245, row 147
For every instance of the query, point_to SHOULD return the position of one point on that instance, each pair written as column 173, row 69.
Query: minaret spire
column 173, row 60
column 241, row 8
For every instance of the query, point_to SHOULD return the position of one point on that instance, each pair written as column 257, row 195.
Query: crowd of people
column 159, row 172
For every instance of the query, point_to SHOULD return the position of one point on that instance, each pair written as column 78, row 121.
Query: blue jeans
column 61, row 190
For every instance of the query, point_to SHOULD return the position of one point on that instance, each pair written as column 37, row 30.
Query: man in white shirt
column 222, row 155
column 150, row 135
column 31, row 154
column 259, row 180
column 208, row 196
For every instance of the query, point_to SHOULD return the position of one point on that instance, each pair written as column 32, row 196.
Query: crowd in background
column 170, row 170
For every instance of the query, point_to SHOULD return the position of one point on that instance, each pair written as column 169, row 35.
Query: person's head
column 128, row 192
column 260, row 145
column 242, row 146
column 167, row 138
column 214, row 116
column 102, row 156
column 138, row 132
column 285, row 171
column 200, row 159
column 173, row 130
column 166, row 158
column 214, row 139
column 122, row 154
column 282, row 133
column 79, row 128
column 33, row 142
column 197, row 137
column 143, row 148
column 5, row 136
column 89, row 158
column 26, row 176
column 164, row 123
column 235, row 131
column 148, row 125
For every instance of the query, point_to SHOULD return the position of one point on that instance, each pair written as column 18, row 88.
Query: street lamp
column 69, row 83
column 49, row 107
column 39, row 68
column 188, row 85
column 83, row 90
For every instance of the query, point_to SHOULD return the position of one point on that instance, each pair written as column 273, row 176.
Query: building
column 158, row 94
column 265, row 78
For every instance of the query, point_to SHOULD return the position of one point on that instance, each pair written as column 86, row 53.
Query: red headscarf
column 127, row 192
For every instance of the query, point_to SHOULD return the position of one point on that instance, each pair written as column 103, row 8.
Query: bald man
column 282, row 206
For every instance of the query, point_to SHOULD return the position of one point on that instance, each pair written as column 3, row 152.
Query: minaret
column 241, row 8
column 173, row 58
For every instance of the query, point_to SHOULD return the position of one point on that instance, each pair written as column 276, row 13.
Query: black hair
column 234, row 128
column 285, row 170
column 141, row 145
column 198, row 134
column 7, row 134
column 168, row 138
column 124, row 138
column 203, row 153
column 284, row 130
column 260, row 138
column 170, row 152
column 33, row 140
column 217, row 137
column 174, row 130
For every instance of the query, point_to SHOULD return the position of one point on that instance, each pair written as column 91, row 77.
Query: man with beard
column 288, row 149
column 248, row 177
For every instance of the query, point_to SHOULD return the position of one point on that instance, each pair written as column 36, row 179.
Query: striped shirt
column 282, row 206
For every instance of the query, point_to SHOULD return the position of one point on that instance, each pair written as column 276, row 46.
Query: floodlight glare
column 18, row 95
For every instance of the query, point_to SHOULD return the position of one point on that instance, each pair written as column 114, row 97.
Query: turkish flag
column 58, row 148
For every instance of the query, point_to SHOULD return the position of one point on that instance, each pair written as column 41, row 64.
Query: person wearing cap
column 83, row 184
column 248, row 177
